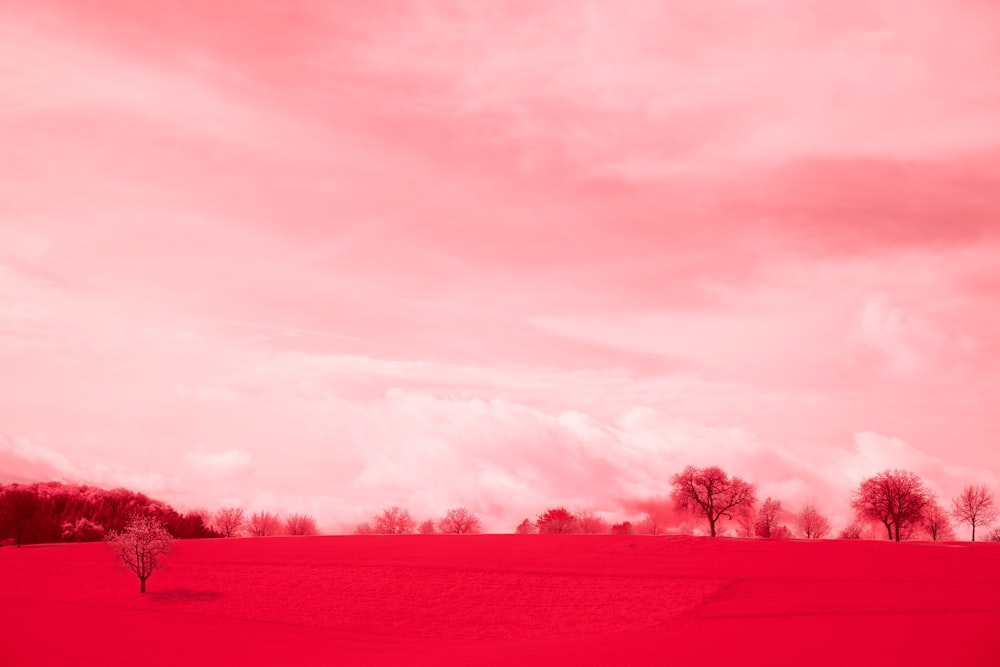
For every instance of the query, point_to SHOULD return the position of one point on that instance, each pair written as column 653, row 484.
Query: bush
column 623, row 528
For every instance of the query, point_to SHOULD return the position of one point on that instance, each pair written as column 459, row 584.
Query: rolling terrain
column 505, row 599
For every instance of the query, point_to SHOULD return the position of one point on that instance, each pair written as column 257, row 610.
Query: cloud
column 218, row 464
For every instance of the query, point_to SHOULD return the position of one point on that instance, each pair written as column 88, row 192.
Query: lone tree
column 526, row 527
column 427, row 527
column 263, row 524
column 300, row 524
column 557, row 521
column 459, row 521
column 896, row 498
column 229, row 521
column 394, row 521
column 591, row 523
column 711, row 492
column 935, row 522
column 975, row 506
column 767, row 518
column 141, row 547
column 812, row 524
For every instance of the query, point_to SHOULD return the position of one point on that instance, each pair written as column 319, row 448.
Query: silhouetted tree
column 975, row 506
column 896, row 498
column 300, row 524
column 935, row 522
column 557, row 521
column 852, row 532
column 229, row 521
column 589, row 523
column 263, row 524
column 623, row 528
column 364, row 528
column 526, row 527
column 994, row 535
column 427, row 528
column 767, row 518
column 458, row 521
column 18, row 507
column 394, row 521
column 710, row 492
column 141, row 546
column 812, row 524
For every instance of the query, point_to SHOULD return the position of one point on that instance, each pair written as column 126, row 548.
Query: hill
column 506, row 599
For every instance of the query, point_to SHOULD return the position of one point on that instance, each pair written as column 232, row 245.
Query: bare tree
column 591, row 523
column 364, row 528
column 975, row 506
column 427, row 528
column 394, row 521
column 458, row 521
column 711, row 492
column 852, row 532
column 745, row 516
column 263, row 524
column 526, row 527
column 812, row 524
column 141, row 547
column 300, row 524
column 896, row 498
column 767, row 518
column 228, row 521
column 557, row 521
column 652, row 523
column 936, row 522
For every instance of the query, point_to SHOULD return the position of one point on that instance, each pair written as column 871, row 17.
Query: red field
column 504, row 599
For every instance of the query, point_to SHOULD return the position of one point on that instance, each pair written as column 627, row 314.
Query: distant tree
column 300, row 524
column 394, row 521
column 745, row 516
column 994, row 535
column 526, row 527
column 557, row 521
column 84, row 530
column 589, row 523
column 18, row 507
column 651, row 523
column 263, row 524
column 895, row 498
column 623, row 528
column 936, row 523
column 767, row 518
column 458, row 521
column 975, row 506
column 141, row 546
column 427, row 528
column 710, row 492
column 364, row 528
column 229, row 521
column 851, row 532
column 812, row 524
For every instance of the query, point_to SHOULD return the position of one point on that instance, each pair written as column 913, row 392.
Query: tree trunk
column 142, row 585
column 897, row 532
column 711, row 525
column 973, row 532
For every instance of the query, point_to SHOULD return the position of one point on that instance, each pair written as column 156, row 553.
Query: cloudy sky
column 333, row 256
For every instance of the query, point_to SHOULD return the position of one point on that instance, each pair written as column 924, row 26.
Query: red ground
column 505, row 599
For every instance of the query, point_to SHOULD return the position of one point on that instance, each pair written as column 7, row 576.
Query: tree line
column 895, row 502
column 56, row 512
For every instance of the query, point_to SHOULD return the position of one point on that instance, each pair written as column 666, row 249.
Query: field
column 506, row 600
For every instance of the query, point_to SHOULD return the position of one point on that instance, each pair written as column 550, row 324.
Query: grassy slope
column 502, row 599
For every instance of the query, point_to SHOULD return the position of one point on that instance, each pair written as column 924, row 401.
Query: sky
column 329, row 257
